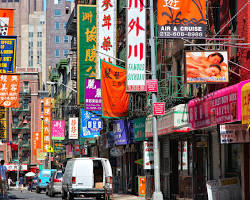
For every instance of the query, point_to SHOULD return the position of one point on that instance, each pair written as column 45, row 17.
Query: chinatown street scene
column 125, row 99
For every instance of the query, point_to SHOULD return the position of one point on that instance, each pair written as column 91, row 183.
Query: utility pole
column 157, row 195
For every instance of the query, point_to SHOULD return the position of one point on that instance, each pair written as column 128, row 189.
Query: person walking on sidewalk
column 3, row 178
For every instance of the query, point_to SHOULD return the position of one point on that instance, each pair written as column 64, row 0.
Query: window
column 30, row 34
column 57, row 39
column 30, row 45
column 39, row 34
column 31, row 61
column 3, row 0
column 10, row 0
column 65, row 24
column 57, row 12
column 66, row 52
column 59, row 1
column 39, row 43
column 66, row 39
column 57, row 25
column 57, row 52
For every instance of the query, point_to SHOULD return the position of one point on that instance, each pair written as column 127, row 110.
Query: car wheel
column 70, row 196
column 52, row 194
column 38, row 190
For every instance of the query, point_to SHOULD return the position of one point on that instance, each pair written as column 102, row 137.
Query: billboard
column 6, row 21
column 182, row 19
column 86, row 47
column 8, row 54
column 106, row 33
column 136, row 46
column 114, row 97
column 93, row 95
column 58, row 129
column 206, row 66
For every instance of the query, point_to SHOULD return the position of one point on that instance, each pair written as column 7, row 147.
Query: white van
column 88, row 176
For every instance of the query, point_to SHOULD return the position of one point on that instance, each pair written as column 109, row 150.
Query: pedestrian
column 9, row 182
column 21, row 182
column 3, row 176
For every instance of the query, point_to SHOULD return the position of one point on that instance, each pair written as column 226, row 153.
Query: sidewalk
column 126, row 197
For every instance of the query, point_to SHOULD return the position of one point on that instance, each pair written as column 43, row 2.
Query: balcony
column 73, row 44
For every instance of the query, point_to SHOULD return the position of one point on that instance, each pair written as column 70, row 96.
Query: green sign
column 139, row 129
column 40, row 167
column 86, row 47
column 139, row 161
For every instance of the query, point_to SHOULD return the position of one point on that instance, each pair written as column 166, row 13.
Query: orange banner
column 6, row 21
column 114, row 97
column 36, row 142
column 46, row 122
column 9, row 90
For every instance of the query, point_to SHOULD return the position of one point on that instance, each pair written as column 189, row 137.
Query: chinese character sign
column 46, row 123
column 36, row 142
column 139, row 129
column 58, row 129
column 7, row 53
column 181, row 19
column 9, row 90
column 86, row 47
column 6, row 21
column 136, row 45
column 3, row 123
column 106, row 32
column 114, row 97
column 120, row 130
column 73, row 128
column 93, row 95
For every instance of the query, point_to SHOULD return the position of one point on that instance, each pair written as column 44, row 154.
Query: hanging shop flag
column 139, row 129
column 85, row 117
column 245, row 104
column 86, row 47
column 93, row 99
column 182, row 19
column 206, row 66
column 46, row 122
column 36, row 142
column 114, row 97
column 58, row 129
column 136, row 45
column 8, row 54
column 3, row 123
column 6, row 21
column 73, row 128
column 121, row 135
column 9, row 90
column 148, row 156
column 106, row 32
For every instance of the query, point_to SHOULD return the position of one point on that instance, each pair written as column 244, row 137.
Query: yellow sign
column 245, row 104
column 50, row 149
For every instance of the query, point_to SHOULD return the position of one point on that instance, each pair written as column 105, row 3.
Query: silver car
column 55, row 184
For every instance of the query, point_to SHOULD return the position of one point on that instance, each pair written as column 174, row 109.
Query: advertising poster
column 206, row 66
column 85, row 132
column 139, row 129
column 136, row 45
column 58, row 127
column 9, row 87
column 93, row 95
column 73, row 128
column 106, row 33
column 86, row 47
column 8, row 54
column 115, row 100
column 148, row 155
column 182, row 19
column 6, row 21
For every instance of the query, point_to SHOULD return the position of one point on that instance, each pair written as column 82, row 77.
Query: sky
column 44, row 3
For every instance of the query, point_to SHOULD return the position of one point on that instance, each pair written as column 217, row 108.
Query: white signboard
column 136, row 45
column 73, row 128
column 234, row 133
column 148, row 155
column 14, row 167
column 106, row 33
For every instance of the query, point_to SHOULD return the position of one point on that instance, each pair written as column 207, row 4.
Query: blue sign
column 85, row 117
column 94, row 124
column 8, row 54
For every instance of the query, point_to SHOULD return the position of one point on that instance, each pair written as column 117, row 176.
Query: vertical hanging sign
column 73, row 128
column 46, row 123
column 106, row 33
column 136, row 45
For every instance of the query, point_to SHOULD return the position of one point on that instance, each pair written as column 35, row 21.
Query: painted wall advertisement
column 106, row 33
column 7, row 53
column 86, row 47
column 136, row 45
column 73, row 128
column 93, row 100
column 182, row 19
column 148, row 155
column 58, row 127
column 206, row 66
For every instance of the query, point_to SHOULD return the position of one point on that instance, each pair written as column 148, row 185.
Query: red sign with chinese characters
column 151, row 85
column 159, row 108
column 9, row 90
column 36, row 142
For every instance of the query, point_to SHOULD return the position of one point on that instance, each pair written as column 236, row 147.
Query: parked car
column 55, row 184
column 88, row 177
column 43, row 179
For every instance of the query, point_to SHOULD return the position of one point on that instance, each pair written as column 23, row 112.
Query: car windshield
column 59, row 175
column 46, row 174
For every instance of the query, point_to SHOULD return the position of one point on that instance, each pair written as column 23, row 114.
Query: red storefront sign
column 159, row 108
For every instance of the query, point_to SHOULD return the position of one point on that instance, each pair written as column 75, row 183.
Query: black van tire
column 38, row 190
column 70, row 196
column 64, row 194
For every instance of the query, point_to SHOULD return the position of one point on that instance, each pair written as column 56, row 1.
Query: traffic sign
column 94, row 124
column 50, row 149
